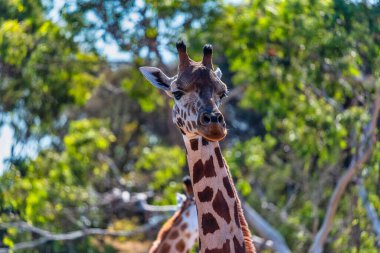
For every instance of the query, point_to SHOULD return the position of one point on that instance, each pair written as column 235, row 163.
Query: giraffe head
column 197, row 91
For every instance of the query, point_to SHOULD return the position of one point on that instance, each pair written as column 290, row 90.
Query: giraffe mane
column 246, row 232
column 243, row 223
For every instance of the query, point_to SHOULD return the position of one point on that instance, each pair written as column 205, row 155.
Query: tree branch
column 47, row 236
column 121, row 201
column 265, row 229
column 261, row 244
column 357, row 162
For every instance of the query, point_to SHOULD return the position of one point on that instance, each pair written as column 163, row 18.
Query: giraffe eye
column 223, row 95
column 178, row 94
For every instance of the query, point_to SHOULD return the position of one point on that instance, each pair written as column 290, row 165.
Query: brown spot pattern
column 204, row 142
column 194, row 144
column 180, row 246
column 209, row 168
column 206, row 194
column 198, row 171
column 165, row 247
column 238, row 248
column 183, row 226
column 194, row 124
column 180, row 122
column 201, row 170
column 173, row 235
column 221, row 207
column 225, row 249
column 236, row 215
column 182, row 131
column 227, row 185
column 219, row 157
column 209, row 224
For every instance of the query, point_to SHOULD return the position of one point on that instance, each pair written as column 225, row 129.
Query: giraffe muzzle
column 212, row 125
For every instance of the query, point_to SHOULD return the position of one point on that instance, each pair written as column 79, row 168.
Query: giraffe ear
column 157, row 78
column 180, row 199
column 218, row 73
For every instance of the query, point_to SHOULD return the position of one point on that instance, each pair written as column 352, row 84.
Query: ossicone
column 183, row 58
column 207, row 49
column 207, row 56
column 181, row 46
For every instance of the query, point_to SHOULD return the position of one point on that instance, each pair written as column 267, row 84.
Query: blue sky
column 6, row 134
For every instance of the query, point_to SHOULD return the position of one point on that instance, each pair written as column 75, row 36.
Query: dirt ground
column 130, row 246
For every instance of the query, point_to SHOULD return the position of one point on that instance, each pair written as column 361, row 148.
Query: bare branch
column 371, row 212
column 47, row 236
column 124, row 201
column 357, row 162
column 265, row 229
column 158, row 209
column 261, row 244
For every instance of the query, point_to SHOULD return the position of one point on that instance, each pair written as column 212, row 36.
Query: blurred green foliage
column 164, row 165
column 42, row 69
column 57, row 189
column 308, row 72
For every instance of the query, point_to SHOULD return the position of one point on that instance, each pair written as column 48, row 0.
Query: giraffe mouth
column 213, row 132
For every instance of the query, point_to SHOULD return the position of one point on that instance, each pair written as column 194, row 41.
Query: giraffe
column 198, row 92
column 180, row 232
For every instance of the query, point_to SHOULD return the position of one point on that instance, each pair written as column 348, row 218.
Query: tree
column 303, row 79
column 42, row 71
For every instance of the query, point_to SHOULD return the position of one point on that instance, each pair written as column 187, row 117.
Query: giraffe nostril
column 220, row 118
column 206, row 118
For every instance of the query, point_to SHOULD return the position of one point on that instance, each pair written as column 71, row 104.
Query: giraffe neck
column 222, row 227
column 179, row 233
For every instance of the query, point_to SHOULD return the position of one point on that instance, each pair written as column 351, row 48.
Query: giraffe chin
column 213, row 133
